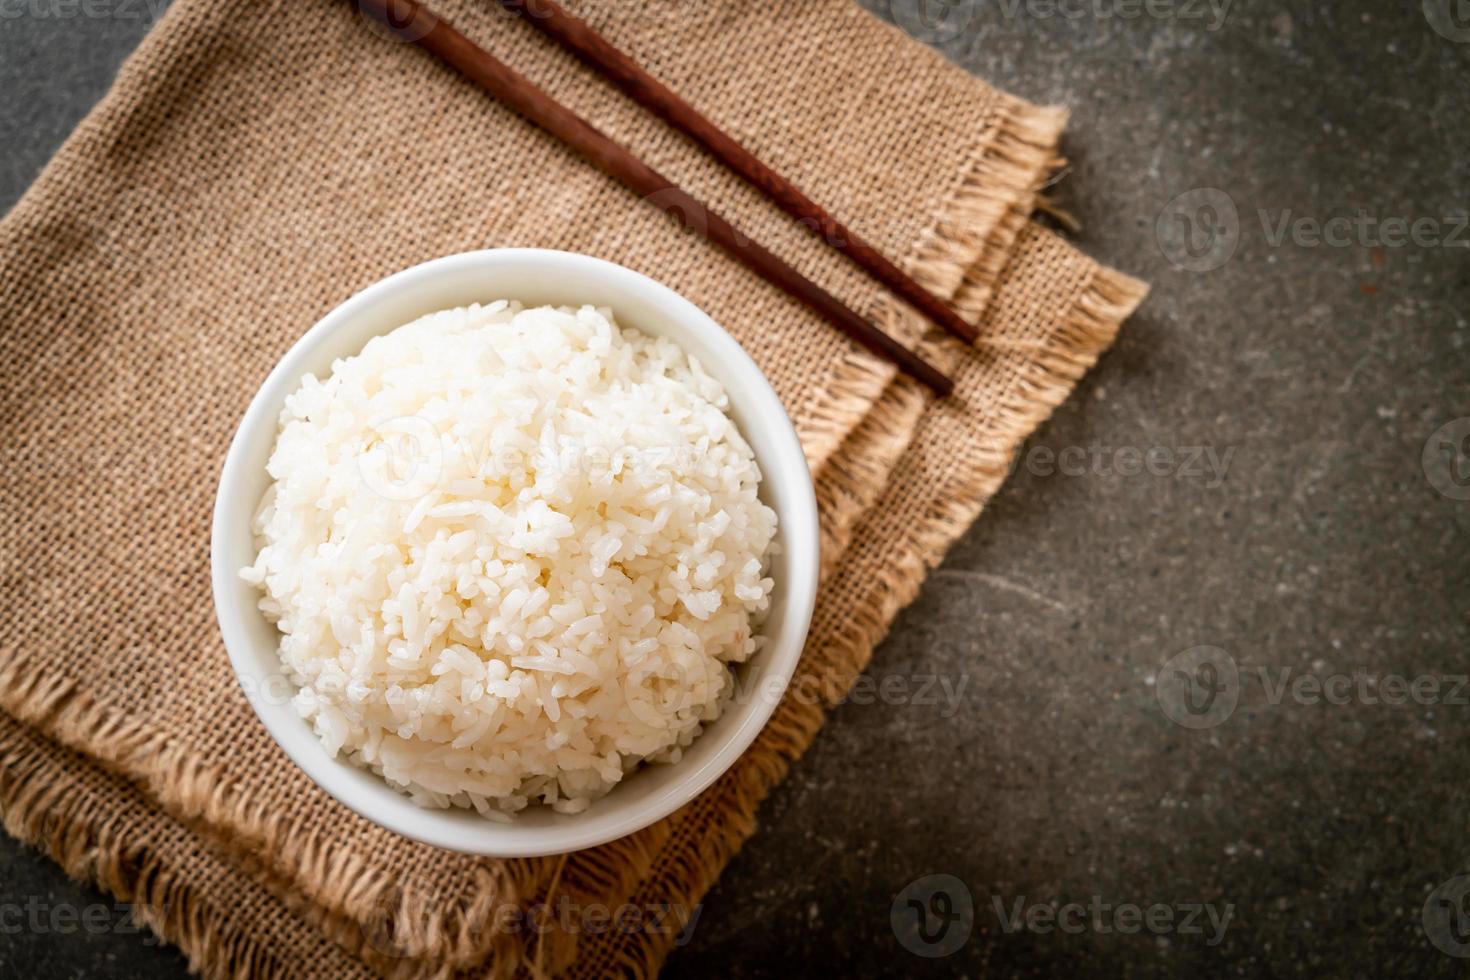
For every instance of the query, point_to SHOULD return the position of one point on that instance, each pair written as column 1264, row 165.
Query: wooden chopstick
column 411, row 21
column 597, row 52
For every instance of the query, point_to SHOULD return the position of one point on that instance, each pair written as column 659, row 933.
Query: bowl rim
column 799, row 534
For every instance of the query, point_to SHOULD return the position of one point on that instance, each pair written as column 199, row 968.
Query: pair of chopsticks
column 411, row 21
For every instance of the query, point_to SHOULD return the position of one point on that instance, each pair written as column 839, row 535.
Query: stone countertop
column 1196, row 677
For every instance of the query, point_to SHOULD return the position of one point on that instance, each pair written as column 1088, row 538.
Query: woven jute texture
column 254, row 165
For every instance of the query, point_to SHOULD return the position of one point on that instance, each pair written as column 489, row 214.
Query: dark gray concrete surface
column 1255, row 468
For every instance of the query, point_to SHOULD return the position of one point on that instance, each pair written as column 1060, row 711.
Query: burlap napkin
column 254, row 165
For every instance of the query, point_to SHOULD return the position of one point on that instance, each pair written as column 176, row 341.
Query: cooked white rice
column 512, row 553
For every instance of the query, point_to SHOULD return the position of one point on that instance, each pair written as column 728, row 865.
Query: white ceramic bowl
column 535, row 277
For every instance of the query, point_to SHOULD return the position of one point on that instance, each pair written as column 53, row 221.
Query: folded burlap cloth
column 254, row 165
